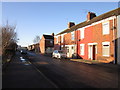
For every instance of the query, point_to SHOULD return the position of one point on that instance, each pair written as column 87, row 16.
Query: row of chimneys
column 90, row 16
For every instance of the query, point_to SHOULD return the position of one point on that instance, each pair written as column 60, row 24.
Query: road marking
column 44, row 75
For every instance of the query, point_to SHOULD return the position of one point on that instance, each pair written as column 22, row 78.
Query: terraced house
column 97, row 38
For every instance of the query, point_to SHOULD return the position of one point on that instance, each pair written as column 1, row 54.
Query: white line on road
column 44, row 76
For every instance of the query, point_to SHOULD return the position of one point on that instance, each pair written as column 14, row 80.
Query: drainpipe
column 60, row 41
column 114, row 39
column 75, row 51
column 118, row 39
column 76, row 42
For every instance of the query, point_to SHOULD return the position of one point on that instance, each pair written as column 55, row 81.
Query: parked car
column 59, row 54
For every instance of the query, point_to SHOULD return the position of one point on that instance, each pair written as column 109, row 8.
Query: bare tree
column 36, row 39
column 9, row 36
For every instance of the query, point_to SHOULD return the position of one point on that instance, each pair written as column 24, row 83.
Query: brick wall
column 42, row 45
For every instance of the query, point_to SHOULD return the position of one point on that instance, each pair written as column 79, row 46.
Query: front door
column 72, row 51
column 92, row 52
column 67, row 51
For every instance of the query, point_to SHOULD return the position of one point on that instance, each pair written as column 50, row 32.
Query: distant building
column 31, row 47
column 37, row 48
column 46, row 44
column 34, row 47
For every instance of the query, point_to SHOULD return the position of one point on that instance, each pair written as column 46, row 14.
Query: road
column 39, row 71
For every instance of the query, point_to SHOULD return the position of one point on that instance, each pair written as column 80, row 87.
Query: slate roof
column 48, row 36
column 95, row 19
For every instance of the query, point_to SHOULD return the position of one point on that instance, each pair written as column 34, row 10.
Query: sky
column 38, row 18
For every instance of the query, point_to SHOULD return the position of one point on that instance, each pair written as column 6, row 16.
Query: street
column 40, row 71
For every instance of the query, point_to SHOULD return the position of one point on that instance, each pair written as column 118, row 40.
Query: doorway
column 92, row 52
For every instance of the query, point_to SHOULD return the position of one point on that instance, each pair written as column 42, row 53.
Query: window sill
column 106, row 55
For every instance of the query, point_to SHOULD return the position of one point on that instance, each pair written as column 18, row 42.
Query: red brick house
column 93, row 39
column 46, row 44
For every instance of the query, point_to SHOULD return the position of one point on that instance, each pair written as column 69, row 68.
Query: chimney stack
column 52, row 34
column 90, row 16
column 70, row 24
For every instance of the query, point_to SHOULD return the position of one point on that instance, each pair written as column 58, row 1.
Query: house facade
column 98, row 42
column 46, row 44
column 93, row 39
column 34, row 47
column 66, row 41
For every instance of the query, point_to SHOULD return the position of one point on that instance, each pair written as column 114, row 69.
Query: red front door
column 94, row 52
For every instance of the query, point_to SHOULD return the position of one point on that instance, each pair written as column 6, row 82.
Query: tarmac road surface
column 39, row 71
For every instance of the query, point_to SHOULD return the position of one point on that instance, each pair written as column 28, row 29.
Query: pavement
column 86, row 61
column 102, row 63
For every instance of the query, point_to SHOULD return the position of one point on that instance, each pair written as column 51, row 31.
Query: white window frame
column 82, row 50
column 106, row 43
column 82, row 33
column 62, row 38
column 72, row 36
column 106, row 28
column 57, row 39
column 96, row 49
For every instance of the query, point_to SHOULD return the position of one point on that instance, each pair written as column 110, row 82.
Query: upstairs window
column 62, row 38
column 106, row 28
column 81, row 33
column 72, row 36
column 82, row 49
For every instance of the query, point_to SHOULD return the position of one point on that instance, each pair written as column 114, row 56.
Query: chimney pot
column 90, row 16
column 52, row 34
column 70, row 24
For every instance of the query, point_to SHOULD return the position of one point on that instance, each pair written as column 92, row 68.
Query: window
column 67, row 48
column 62, row 37
column 82, row 33
column 57, row 39
column 72, row 35
column 105, row 27
column 82, row 49
column 106, row 49
column 60, row 52
column 72, row 47
column 55, row 51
